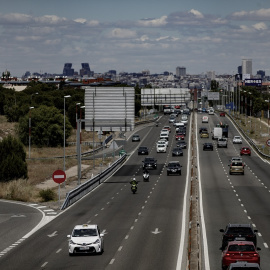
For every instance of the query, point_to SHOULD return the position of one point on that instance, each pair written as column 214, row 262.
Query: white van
column 211, row 111
column 205, row 119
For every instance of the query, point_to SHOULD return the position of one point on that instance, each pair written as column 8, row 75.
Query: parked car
column 149, row 163
column 237, row 139
column 237, row 167
column 136, row 138
column 240, row 251
column 174, row 167
column 238, row 231
column 85, row 238
column 208, row 147
column 245, row 151
column 177, row 151
column 143, row 150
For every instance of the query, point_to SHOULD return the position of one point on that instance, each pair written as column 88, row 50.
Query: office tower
column 247, row 66
column 180, row 71
column 68, row 70
column 261, row 73
column 85, row 70
column 239, row 69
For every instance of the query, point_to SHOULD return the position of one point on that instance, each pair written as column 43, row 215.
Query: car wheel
column 180, row 173
column 70, row 254
column 249, row 154
column 243, row 173
column 167, row 173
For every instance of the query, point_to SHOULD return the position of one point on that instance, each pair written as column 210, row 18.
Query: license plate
column 84, row 248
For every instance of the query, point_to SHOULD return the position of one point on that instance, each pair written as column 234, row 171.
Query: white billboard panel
column 165, row 96
column 109, row 108
column 213, row 96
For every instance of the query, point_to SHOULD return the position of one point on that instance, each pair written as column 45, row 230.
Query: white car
column 161, row 148
column 85, row 239
column 164, row 141
column 237, row 139
column 165, row 131
column 164, row 135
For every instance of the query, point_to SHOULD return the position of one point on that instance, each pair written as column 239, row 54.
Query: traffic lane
column 16, row 220
column 219, row 202
column 153, row 241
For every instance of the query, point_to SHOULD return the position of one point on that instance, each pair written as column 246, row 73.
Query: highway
column 148, row 230
column 142, row 230
column 233, row 198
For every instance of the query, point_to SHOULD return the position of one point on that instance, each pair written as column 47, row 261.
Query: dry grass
column 42, row 164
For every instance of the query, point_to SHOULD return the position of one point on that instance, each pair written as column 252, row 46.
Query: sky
column 132, row 36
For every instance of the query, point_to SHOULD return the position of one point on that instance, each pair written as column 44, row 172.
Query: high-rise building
column 68, row 70
column 247, row 66
column 180, row 71
column 85, row 70
column 239, row 69
column 261, row 73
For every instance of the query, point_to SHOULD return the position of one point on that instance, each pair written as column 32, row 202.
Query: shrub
column 47, row 195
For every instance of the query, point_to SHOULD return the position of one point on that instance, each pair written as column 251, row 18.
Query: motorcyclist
column 134, row 182
column 145, row 171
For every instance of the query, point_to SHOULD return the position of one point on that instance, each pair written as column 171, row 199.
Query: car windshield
column 149, row 159
column 241, row 248
column 237, row 164
column 240, row 230
column 84, row 232
column 237, row 137
column 173, row 165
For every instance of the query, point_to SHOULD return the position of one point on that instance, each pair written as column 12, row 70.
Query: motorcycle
column 145, row 176
column 134, row 186
column 156, row 124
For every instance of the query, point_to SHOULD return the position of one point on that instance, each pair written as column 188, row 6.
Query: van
column 205, row 119
column 211, row 111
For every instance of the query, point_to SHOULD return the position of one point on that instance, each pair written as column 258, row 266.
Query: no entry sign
column 59, row 176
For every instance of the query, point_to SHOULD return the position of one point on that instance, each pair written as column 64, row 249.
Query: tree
column 12, row 160
column 47, row 127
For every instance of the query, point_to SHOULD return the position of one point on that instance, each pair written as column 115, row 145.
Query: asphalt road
column 142, row 230
column 233, row 198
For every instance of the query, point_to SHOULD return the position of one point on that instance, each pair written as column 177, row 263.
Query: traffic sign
column 268, row 142
column 59, row 176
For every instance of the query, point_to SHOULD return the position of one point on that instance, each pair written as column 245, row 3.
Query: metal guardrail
column 250, row 141
column 77, row 193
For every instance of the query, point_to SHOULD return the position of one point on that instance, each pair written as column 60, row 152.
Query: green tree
column 47, row 127
column 12, row 160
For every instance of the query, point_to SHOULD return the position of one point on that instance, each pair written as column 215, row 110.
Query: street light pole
column 33, row 95
column 30, row 108
column 68, row 96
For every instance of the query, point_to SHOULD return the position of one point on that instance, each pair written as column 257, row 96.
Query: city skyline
column 131, row 36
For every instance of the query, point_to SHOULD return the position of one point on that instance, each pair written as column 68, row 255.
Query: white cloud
column 123, row 33
column 196, row 13
column 162, row 38
column 260, row 26
column 154, row 22
column 261, row 14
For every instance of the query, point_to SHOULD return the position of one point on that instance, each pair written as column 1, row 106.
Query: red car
column 167, row 127
column 245, row 151
column 240, row 251
column 222, row 114
column 179, row 136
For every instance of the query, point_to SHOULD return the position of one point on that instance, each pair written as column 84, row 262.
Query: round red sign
column 59, row 176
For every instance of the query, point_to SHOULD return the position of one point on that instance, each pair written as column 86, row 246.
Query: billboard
column 253, row 82
column 213, row 96
column 109, row 108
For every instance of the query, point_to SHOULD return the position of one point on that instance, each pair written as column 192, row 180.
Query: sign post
column 59, row 177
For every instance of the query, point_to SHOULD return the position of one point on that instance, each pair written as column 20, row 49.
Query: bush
column 47, row 195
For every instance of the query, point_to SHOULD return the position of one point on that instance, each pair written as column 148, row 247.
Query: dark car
column 174, row 167
column 149, row 163
column 208, row 147
column 181, row 130
column 143, row 150
column 241, row 232
column 201, row 129
column 177, row 151
column 136, row 138
column 245, row 151
column 181, row 144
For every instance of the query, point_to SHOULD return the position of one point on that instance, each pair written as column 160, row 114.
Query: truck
column 222, row 142
column 217, row 133
column 225, row 129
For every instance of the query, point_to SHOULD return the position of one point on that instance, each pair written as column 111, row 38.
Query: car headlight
column 97, row 241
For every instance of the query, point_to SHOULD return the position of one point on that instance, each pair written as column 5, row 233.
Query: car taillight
column 228, row 254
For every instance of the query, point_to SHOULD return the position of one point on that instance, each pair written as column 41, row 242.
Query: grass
column 42, row 164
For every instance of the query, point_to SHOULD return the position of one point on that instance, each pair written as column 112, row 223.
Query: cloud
column 261, row 14
column 123, row 33
column 260, row 26
column 196, row 13
column 153, row 22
